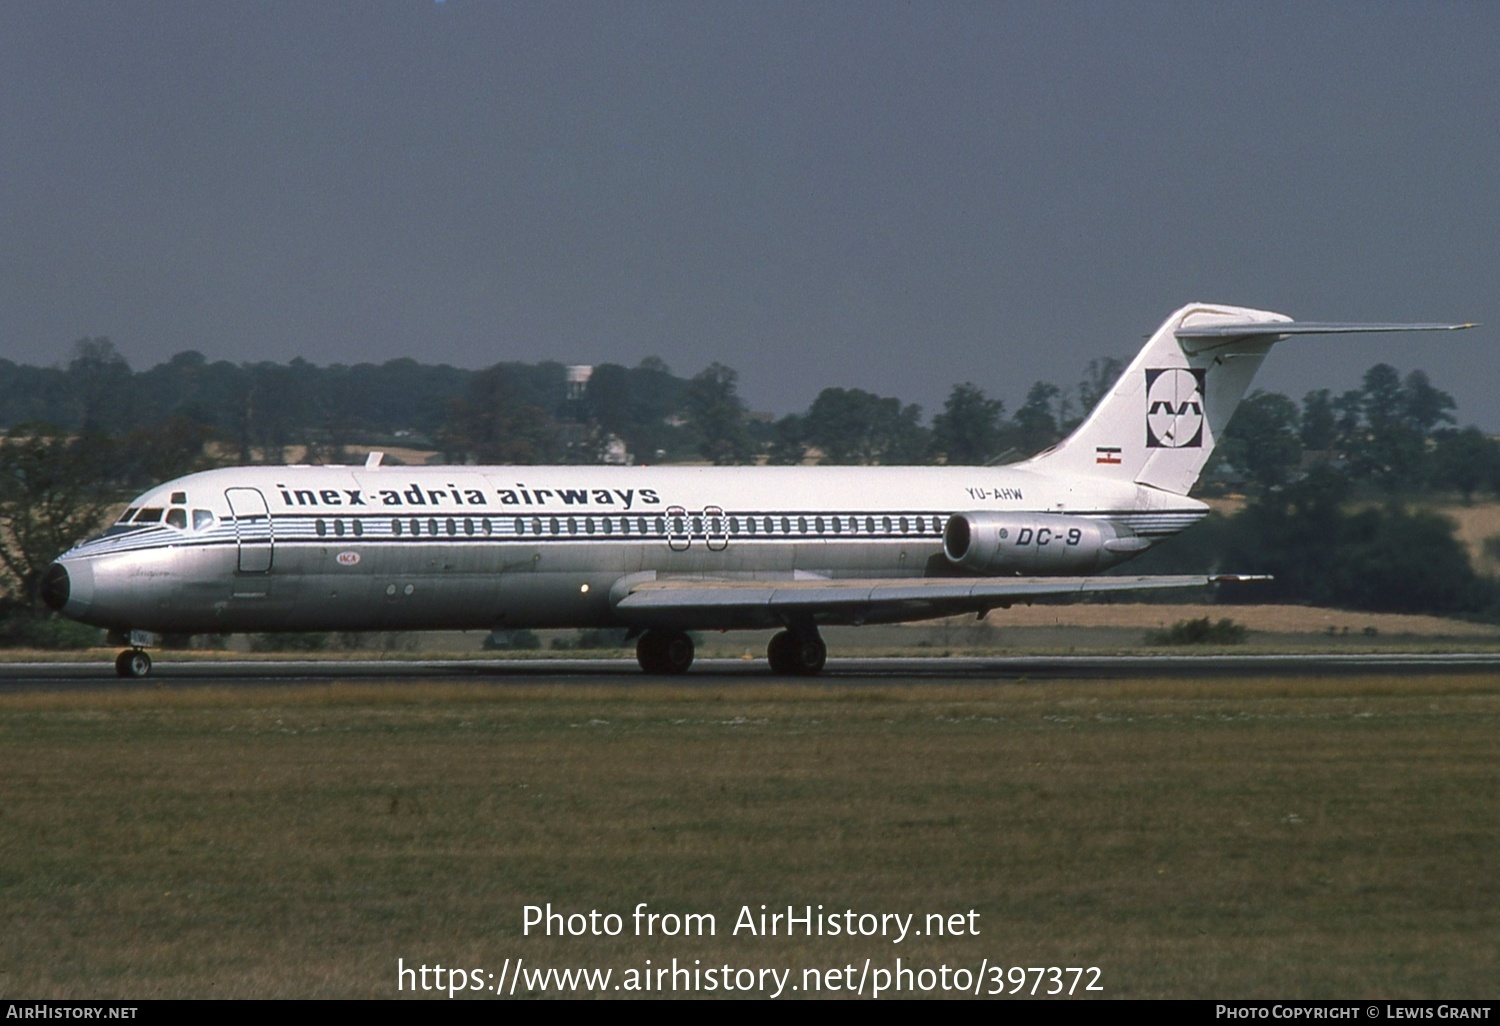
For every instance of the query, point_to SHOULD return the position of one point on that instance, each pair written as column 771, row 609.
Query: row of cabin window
column 679, row 525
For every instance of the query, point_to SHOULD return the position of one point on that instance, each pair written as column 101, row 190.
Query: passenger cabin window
column 177, row 518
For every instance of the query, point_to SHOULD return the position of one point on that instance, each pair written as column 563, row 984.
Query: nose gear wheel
column 132, row 663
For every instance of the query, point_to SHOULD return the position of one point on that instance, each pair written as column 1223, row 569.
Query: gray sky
column 895, row 197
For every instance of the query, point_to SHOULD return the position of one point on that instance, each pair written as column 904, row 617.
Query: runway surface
column 197, row 673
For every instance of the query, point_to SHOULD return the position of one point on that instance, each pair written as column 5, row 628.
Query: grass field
column 1286, row 837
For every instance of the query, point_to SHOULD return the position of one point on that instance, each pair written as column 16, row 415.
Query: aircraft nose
column 68, row 589
column 56, row 587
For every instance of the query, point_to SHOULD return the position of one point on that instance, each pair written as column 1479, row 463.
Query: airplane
column 662, row 551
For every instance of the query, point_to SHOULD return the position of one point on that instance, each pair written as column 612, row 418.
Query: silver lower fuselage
column 451, row 584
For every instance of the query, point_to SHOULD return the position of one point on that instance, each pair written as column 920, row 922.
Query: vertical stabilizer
column 1158, row 425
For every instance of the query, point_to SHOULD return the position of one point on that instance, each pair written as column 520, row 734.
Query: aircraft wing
column 697, row 603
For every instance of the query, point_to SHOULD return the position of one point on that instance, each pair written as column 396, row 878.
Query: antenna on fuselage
column 373, row 460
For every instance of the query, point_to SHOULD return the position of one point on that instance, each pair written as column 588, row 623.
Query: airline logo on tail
column 1174, row 408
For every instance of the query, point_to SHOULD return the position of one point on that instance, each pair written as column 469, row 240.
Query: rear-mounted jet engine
column 1036, row 543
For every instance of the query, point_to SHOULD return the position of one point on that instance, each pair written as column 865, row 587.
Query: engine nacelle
column 1036, row 543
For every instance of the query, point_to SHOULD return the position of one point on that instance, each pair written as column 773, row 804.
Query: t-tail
column 1159, row 423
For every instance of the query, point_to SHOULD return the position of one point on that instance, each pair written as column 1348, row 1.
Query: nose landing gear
column 133, row 662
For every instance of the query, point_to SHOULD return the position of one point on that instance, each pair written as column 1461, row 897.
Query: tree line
column 1392, row 434
column 514, row 412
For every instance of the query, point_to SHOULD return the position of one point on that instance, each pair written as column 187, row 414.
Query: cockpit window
column 150, row 515
column 125, row 517
column 202, row 519
column 177, row 518
column 179, row 498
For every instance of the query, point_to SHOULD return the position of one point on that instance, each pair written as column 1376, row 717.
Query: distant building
column 578, row 379
column 614, row 452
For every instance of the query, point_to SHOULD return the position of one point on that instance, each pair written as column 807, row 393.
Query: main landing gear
column 793, row 653
column 133, row 662
column 797, row 654
column 664, row 652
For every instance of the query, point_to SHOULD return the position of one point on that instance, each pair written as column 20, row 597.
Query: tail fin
column 1159, row 423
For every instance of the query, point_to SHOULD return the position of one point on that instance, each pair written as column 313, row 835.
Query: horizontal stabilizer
column 1279, row 329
